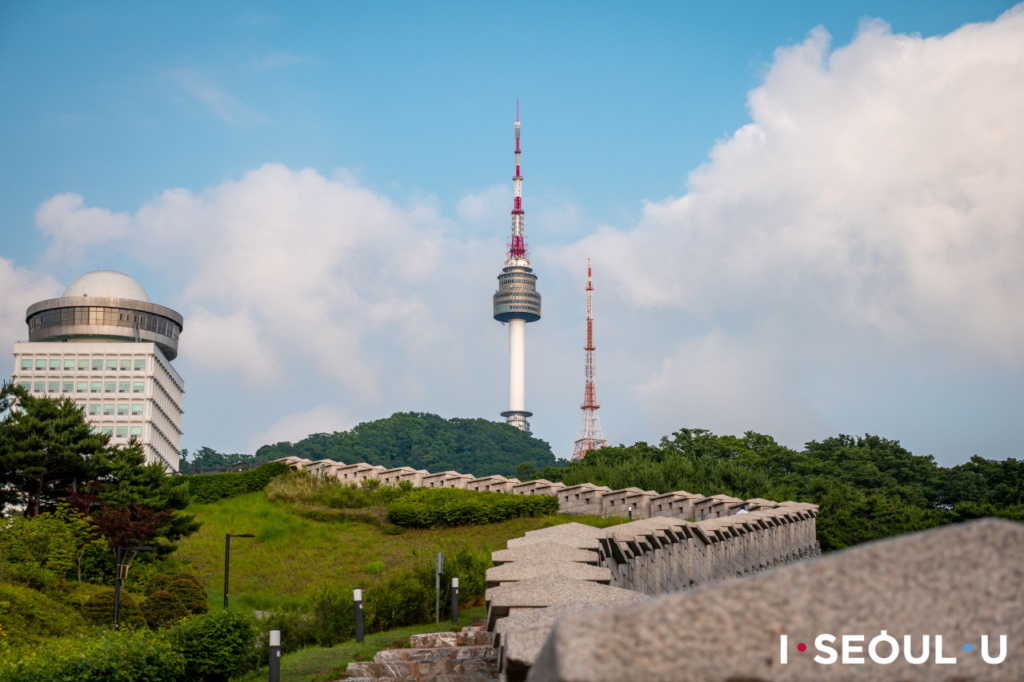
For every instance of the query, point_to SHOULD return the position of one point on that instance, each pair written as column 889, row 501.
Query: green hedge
column 105, row 656
column 213, row 487
column 445, row 507
column 28, row 616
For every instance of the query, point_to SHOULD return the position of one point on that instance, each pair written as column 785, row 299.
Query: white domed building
column 107, row 347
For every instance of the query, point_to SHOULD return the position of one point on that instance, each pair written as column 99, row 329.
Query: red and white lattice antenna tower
column 517, row 244
column 591, row 437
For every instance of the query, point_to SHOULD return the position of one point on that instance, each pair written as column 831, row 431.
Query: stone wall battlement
column 674, row 542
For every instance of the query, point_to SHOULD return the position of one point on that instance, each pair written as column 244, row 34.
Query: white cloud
column 73, row 227
column 286, row 273
column 720, row 383
column 21, row 289
column 877, row 190
column 295, row 427
column 487, row 207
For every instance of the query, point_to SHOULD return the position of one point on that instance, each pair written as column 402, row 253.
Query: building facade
column 107, row 347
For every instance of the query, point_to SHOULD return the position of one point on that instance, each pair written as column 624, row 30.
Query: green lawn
column 322, row 665
column 292, row 556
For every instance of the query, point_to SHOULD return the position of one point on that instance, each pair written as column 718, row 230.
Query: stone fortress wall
column 675, row 541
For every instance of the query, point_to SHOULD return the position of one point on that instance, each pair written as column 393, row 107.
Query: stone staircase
column 466, row 656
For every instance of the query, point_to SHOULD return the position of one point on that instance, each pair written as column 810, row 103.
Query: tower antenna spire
column 591, row 437
column 516, row 301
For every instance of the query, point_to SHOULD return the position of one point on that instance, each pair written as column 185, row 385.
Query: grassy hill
column 292, row 556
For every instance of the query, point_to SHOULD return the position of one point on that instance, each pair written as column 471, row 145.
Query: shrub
column 185, row 575
column 158, row 582
column 99, row 610
column 403, row 599
column 103, row 656
column 162, row 608
column 28, row 616
column 445, row 507
column 212, row 487
column 192, row 597
column 216, row 646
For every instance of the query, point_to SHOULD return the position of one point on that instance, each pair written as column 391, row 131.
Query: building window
column 53, row 387
column 97, row 364
column 83, row 364
column 109, row 430
column 126, row 364
column 40, row 363
column 82, row 387
column 27, row 385
column 122, row 409
column 122, row 387
column 95, row 386
column 69, row 387
column 40, row 387
column 111, row 365
column 136, row 431
column 137, row 409
column 94, row 409
column 122, row 431
column 26, row 364
column 108, row 409
column 69, row 364
column 140, row 364
column 138, row 386
column 108, row 386
column 54, row 364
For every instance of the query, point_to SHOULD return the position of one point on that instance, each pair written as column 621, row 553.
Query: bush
column 216, row 646
column 158, row 582
column 213, row 487
column 445, row 507
column 99, row 610
column 192, row 597
column 162, row 608
column 29, row 616
column 103, row 656
column 403, row 599
column 185, row 575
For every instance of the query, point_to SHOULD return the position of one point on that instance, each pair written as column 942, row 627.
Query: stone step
column 422, row 669
column 432, row 678
column 438, row 654
column 434, row 640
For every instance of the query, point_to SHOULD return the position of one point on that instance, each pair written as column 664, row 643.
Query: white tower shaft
column 517, row 365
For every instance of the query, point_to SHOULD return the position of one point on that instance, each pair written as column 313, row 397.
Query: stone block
column 545, row 550
column 539, row 593
column 575, row 535
column 536, row 568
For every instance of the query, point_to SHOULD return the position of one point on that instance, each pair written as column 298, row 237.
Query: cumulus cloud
column 74, row 227
column 877, row 189
column 285, row 273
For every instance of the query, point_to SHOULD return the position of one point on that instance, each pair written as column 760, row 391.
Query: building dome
column 109, row 284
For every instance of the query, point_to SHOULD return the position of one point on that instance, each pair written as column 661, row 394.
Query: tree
column 132, row 502
column 45, row 448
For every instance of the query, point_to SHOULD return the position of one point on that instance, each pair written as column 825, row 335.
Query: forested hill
column 423, row 441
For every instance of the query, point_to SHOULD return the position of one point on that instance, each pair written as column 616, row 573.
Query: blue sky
column 804, row 217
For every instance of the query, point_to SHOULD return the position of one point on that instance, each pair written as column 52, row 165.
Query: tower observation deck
column 517, row 302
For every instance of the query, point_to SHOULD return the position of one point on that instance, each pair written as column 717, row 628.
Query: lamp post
column 227, row 560
column 122, row 573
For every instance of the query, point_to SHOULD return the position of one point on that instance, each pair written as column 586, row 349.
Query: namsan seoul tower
column 591, row 437
column 517, row 302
